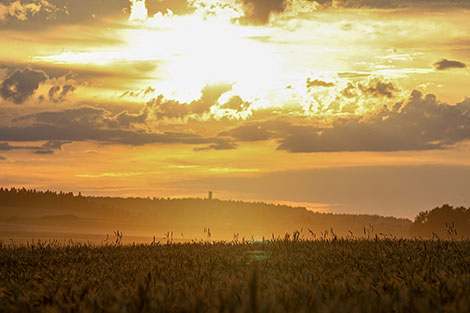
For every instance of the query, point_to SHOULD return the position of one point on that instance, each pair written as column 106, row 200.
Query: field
column 285, row 275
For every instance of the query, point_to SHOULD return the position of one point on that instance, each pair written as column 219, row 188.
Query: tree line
column 441, row 222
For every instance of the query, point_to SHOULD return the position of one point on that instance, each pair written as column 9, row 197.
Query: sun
column 188, row 52
column 195, row 50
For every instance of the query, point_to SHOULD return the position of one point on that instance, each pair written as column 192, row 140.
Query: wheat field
column 283, row 275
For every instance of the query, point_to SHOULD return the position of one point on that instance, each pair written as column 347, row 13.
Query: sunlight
column 190, row 51
column 198, row 50
column 138, row 10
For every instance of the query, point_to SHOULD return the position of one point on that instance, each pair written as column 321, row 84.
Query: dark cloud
column 236, row 103
column 378, row 88
column 143, row 92
column 445, row 64
column 55, row 12
column 259, row 11
column 422, row 123
column 353, row 75
column 374, row 87
column 210, row 94
column 36, row 14
column 120, row 76
column 47, row 148
column 11, row 11
column 356, row 4
column 43, row 152
column 59, row 93
column 77, row 132
column 66, row 71
column 21, row 84
column 393, row 4
column 53, row 92
column 168, row 108
column 250, row 132
column 55, row 144
column 318, row 83
column 5, row 147
column 97, row 124
column 126, row 119
column 219, row 145
column 86, row 116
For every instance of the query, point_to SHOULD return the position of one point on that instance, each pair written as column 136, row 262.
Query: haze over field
column 340, row 106
column 26, row 215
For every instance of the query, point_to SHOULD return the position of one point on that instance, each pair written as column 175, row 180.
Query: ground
column 288, row 275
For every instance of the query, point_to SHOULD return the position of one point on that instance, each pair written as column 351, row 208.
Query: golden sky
column 354, row 106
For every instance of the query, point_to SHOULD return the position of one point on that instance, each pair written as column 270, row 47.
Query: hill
column 32, row 211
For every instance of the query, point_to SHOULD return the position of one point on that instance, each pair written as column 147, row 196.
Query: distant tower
column 210, row 195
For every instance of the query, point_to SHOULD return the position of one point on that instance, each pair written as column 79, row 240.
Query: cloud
column 88, row 123
column 21, row 84
column 5, row 147
column 23, row 10
column 210, row 94
column 219, row 145
column 142, row 9
column 163, row 108
column 392, row 4
column 259, row 11
column 116, row 77
column 43, row 152
column 77, row 132
column 125, row 119
column 47, row 148
column 236, row 103
column 445, row 64
column 55, row 144
column 33, row 15
column 422, row 123
column 176, row 6
column 318, row 83
column 86, row 116
column 378, row 88
column 373, row 87
column 249, row 132
column 351, row 96
column 59, row 93
column 136, row 94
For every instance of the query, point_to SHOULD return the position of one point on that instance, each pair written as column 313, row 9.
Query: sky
column 341, row 106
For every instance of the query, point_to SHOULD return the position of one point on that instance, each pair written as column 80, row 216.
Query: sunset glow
column 323, row 99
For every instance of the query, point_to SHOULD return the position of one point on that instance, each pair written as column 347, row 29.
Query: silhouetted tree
column 444, row 222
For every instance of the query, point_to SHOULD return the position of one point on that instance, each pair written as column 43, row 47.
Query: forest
column 33, row 211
